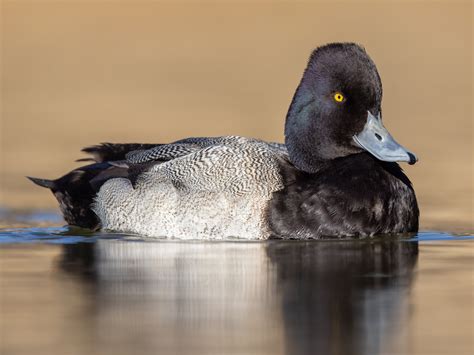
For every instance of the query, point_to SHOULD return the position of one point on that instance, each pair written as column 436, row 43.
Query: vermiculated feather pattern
column 218, row 191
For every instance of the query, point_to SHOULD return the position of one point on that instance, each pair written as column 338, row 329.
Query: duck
column 335, row 176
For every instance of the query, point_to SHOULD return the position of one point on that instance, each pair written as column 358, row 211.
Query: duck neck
column 304, row 139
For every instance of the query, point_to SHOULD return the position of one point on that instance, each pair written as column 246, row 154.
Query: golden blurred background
column 75, row 73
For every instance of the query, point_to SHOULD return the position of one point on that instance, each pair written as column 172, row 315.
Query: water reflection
column 343, row 297
column 245, row 298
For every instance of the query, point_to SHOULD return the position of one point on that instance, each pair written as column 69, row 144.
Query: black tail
column 42, row 182
column 76, row 191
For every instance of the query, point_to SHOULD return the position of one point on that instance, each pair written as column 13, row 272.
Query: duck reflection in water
column 276, row 297
column 345, row 297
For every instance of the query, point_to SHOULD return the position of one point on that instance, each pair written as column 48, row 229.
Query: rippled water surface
column 71, row 291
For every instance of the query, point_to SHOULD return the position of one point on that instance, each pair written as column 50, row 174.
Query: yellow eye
column 339, row 97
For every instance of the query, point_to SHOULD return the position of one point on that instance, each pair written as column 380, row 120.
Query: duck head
column 336, row 110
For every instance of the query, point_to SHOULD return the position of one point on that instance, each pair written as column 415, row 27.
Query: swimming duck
column 335, row 176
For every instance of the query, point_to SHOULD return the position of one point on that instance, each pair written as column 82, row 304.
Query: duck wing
column 165, row 152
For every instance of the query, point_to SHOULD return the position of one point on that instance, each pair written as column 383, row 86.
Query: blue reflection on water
column 72, row 235
column 430, row 236
column 55, row 235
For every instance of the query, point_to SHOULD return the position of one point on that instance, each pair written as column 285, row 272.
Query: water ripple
column 73, row 235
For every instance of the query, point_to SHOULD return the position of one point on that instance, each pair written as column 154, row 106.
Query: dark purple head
column 336, row 110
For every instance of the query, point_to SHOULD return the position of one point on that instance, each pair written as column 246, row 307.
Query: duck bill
column 375, row 139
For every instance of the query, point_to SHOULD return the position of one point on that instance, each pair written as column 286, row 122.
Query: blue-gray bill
column 375, row 139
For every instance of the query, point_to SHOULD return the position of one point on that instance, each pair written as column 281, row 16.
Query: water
column 70, row 291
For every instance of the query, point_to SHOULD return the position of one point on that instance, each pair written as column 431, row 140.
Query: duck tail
column 50, row 184
column 77, row 190
column 75, row 194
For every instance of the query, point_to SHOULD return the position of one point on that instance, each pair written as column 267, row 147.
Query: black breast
column 353, row 196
